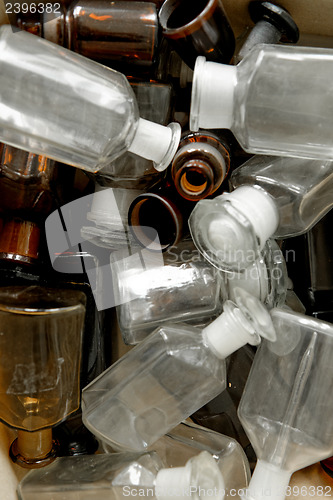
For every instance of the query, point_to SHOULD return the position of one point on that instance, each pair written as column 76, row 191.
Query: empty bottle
column 276, row 101
column 200, row 165
column 266, row 278
column 286, row 407
column 121, row 33
column 187, row 440
column 40, row 366
column 182, row 288
column 197, row 28
column 124, row 474
column 69, row 108
column 169, row 375
column 273, row 197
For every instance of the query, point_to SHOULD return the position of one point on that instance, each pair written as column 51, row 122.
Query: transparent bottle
column 220, row 414
column 200, row 165
column 182, row 288
column 266, row 278
column 155, row 102
column 40, row 366
column 187, row 440
column 273, row 197
column 71, row 109
column 118, row 475
column 276, row 101
column 169, row 375
column 285, row 408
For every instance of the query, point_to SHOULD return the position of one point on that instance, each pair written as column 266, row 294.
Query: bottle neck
column 268, row 482
column 199, row 166
column 19, row 241
column 230, row 331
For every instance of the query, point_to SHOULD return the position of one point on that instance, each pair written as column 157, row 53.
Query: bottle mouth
column 155, row 222
column 180, row 18
column 194, row 180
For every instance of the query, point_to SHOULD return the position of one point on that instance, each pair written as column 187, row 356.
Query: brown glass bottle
column 121, row 32
column 40, row 366
column 26, row 198
column 160, row 212
column 198, row 27
column 200, row 165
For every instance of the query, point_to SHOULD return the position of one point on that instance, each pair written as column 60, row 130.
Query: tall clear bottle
column 277, row 100
column 272, row 197
column 71, row 109
column 169, row 375
column 286, row 406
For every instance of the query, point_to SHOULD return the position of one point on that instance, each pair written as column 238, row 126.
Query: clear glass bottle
column 220, row 414
column 187, row 440
column 169, row 375
column 155, row 101
column 276, row 101
column 272, row 197
column 119, row 475
column 200, row 165
column 285, row 408
column 182, row 288
column 40, row 366
column 72, row 109
column 198, row 28
column 266, row 278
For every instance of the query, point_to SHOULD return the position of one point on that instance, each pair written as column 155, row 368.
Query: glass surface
column 284, row 100
column 40, row 350
column 285, row 408
column 152, row 388
column 124, row 32
column 301, row 189
column 183, row 289
column 56, row 103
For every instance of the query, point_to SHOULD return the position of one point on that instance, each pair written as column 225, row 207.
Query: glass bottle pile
column 143, row 184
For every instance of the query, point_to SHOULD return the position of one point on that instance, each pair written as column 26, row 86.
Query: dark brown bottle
column 26, row 198
column 119, row 32
column 200, row 165
column 198, row 28
column 160, row 213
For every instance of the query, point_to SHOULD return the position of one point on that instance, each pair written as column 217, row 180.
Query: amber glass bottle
column 200, row 165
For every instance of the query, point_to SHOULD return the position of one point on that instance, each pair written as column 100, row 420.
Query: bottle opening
column 181, row 13
column 194, row 180
column 153, row 215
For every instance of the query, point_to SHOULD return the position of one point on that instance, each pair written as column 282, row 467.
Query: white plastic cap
column 230, row 331
column 212, row 99
column 257, row 206
column 268, row 482
column 156, row 142
column 200, row 477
